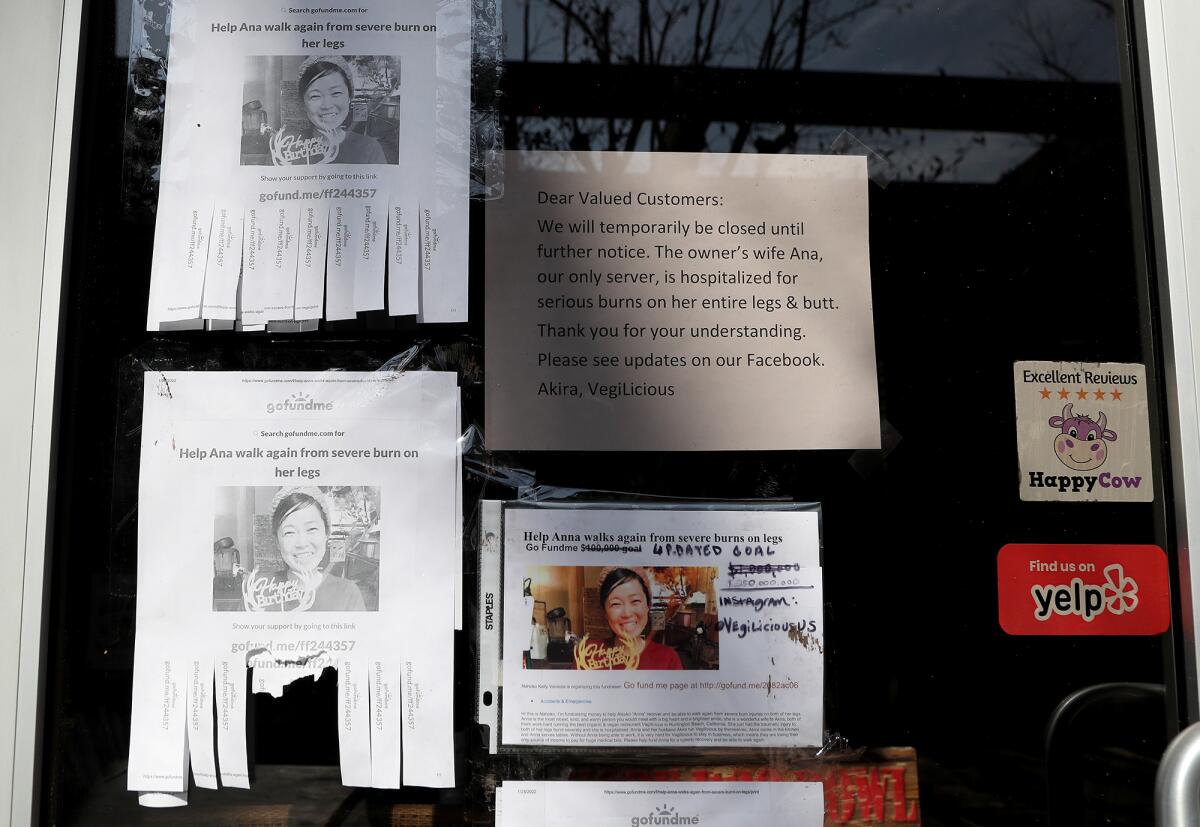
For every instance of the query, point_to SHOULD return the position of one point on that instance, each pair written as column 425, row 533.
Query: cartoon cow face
column 1082, row 443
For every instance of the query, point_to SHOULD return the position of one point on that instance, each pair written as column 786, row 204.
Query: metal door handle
column 1177, row 784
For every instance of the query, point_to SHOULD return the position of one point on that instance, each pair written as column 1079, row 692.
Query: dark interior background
column 1004, row 188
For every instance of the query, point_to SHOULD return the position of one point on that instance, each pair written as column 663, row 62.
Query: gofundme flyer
column 661, row 627
column 312, row 157
column 659, row 804
column 291, row 522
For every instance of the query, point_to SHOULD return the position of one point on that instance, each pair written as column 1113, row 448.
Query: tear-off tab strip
column 231, row 723
column 224, row 264
column 184, row 256
column 385, row 724
column 200, row 723
column 339, row 286
column 371, row 247
column 279, row 285
column 310, row 268
column 403, row 273
column 255, row 251
column 157, row 739
column 354, row 725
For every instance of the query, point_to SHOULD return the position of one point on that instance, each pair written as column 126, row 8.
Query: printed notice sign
column 1083, row 432
column 680, row 301
column 1083, row 589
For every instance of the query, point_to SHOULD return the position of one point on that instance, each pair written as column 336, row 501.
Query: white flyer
column 276, row 109
column 705, row 624
column 291, row 522
column 654, row 803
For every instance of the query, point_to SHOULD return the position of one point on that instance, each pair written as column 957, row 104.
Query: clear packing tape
column 337, row 201
column 190, row 704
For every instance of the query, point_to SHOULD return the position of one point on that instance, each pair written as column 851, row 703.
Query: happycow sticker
column 1083, row 432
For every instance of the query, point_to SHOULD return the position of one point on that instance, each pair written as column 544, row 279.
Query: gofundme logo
column 663, row 815
column 298, row 402
column 1117, row 595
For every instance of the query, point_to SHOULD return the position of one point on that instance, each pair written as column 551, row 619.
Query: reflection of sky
column 902, row 155
column 980, row 38
column 1036, row 39
column 992, row 38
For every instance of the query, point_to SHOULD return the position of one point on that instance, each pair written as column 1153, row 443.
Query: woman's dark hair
column 615, row 578
column 294, row 502
column 319, row 69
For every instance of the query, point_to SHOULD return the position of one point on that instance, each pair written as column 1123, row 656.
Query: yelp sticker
column 1070, row 589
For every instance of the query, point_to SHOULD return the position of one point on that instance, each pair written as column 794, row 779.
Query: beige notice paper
column 680, row 302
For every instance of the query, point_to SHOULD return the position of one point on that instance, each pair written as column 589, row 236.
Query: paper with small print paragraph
column 720, row 645
column 644, row 301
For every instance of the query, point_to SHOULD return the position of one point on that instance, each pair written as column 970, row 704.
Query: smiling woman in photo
column 625, row 599
column 326, row 88
column 300, row 521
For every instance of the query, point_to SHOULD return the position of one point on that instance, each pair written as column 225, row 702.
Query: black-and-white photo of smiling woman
column 320, row 109
column 300, row 522
column 326, row 89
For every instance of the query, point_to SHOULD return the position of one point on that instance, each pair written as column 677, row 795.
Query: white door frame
column 35, row 170
column 1172, row 66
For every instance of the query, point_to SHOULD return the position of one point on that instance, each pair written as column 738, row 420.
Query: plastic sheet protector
column 654, row 627
column 656, row 804
column 315, row 164
column 291, row 522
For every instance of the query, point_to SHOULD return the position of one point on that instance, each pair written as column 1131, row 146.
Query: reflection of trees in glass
column 768, row 35
column 695, row 40
column 763, row 34
column 146, row 106
column 1050, row 43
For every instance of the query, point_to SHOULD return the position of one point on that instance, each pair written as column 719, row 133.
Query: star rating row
column 1115, row 394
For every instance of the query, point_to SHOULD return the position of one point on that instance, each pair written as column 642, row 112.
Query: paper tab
column 371, row 250
column 385, row 724
column 403, row 272
column 231, row 723
column 224, row 268
column 344, row 224
column 354, row 724
column 157, row 744
column 279, row 287
column 200, row 723
column 310, row 264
